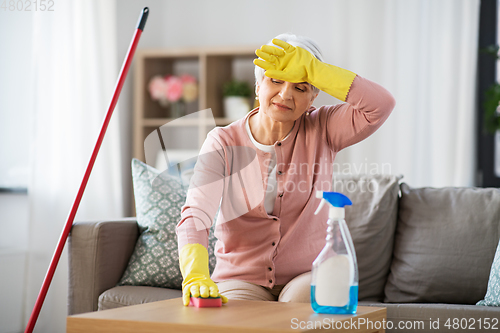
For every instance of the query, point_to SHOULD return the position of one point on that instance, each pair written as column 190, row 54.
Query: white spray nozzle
column 319, row 195
column 337, row 202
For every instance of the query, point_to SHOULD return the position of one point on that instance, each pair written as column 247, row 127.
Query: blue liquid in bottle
column 334, row 281
column 349, row 308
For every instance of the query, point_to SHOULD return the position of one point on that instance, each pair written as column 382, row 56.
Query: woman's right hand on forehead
column 295, row 64
column 287, row 63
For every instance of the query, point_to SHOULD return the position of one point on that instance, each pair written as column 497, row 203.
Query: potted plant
column 492, row 99
column 236, row 99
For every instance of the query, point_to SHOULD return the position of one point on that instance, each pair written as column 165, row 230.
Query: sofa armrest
column 98, row 254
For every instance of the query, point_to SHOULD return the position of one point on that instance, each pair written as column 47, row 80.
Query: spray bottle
column 334, row 284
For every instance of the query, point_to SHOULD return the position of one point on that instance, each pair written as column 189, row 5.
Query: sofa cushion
column 371, row 220
column 492, row 297
column 444, row 245
column 155, row 260
column 132, row 295
column 438, row 317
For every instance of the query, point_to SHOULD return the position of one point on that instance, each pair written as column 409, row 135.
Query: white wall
column 13, row 244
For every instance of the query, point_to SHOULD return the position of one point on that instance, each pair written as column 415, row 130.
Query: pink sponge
column 210, row 302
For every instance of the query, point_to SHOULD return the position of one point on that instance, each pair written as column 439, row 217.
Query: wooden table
column 235, row 316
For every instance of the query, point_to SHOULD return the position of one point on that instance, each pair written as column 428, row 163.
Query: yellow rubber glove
column 193, row 259
column 294, row 64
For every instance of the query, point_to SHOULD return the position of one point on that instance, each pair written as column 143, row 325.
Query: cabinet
column 212, row 67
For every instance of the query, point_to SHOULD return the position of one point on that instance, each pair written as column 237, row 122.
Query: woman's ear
column 312, row 100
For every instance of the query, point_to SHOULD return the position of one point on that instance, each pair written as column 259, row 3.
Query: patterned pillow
column 492, row 297
column 158, row 199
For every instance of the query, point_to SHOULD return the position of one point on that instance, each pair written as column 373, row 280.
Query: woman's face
column 284, row 101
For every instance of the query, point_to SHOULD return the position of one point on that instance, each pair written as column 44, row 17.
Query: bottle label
column 333, row 281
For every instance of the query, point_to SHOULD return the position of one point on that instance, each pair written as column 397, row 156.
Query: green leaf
column 491, row 50
column 491, row 104
column 236, row 88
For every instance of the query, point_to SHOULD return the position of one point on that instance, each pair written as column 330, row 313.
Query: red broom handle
column 76, row 203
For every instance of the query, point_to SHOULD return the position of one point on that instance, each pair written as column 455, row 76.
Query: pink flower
column 173, row 88
column 156, row 88
column 186, row 78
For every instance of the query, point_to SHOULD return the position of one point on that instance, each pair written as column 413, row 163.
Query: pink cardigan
column 231, row 175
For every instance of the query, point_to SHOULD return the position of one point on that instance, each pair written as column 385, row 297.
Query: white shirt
column 272, row 189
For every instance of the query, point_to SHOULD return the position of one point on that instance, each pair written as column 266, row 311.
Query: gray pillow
column 158, row 199
column 444, row 245
column 371, row 220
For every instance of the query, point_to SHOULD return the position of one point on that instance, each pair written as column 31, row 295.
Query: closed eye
column 302, row 87
column 276, row 81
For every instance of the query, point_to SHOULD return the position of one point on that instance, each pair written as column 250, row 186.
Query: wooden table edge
column 85, row 322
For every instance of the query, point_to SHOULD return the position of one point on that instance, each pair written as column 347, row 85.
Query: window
column 487, row 74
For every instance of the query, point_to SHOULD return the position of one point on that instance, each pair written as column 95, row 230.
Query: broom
column 69, row 222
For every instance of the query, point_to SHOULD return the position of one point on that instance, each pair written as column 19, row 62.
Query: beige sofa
column 423, row 253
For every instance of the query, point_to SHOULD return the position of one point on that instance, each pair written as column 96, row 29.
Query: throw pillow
column 492, row 297
column 159, row 198
column 444, row 245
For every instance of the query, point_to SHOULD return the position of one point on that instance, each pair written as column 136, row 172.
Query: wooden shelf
column 223, row 121
column 158, row 122
column 211, row 66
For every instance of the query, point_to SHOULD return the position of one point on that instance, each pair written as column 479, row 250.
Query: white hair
column 301, row 41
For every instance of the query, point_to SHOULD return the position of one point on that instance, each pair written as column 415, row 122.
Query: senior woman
column 261, row 173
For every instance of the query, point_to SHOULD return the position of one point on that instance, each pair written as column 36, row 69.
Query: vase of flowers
column 236, row 99
column 174, row 92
